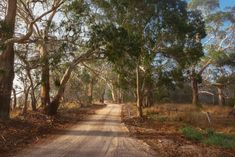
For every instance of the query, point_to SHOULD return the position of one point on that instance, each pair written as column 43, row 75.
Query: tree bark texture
column 138, row 93
column 194, row 85
column 7, row 61
column 45, row 76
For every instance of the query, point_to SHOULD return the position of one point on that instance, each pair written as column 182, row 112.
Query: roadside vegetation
column 176, row 127
column 174, row 60
column 209, row 137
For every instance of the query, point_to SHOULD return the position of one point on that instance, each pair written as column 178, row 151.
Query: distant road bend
column 101, row 135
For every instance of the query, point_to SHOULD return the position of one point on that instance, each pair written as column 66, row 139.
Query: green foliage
column 117, row 40
column 77, row 7
column 209, row 4
column 198, row 77
column 132, row 38
column 85, row 76
column 221, row 140
column 192, row 133
column 210, row 137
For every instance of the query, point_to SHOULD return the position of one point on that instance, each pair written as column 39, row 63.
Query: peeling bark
column 45, row 76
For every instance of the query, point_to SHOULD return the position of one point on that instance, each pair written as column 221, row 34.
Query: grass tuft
column 221, row 140
column 192, row 133
column 210, row 137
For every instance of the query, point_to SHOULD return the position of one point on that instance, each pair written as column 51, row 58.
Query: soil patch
column 166, row 139
column 24, row 130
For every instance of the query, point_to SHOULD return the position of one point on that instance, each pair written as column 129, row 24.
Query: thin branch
column 30, row 31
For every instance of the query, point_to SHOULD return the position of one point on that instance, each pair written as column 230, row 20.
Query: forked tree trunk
column 52, row 108
column 138, row 93
column 45, row 77
column 7, row 61
column 33, row 98
column 194, row 82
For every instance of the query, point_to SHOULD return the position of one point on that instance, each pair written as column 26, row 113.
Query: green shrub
column 210, row 137
column 192, row 133
column 221, row 140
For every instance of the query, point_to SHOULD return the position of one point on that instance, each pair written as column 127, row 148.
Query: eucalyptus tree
column 7, row 27
column 107, row 75
column 27, row 62
column 147, row 28
column 57, row 34
column 218, row 44
column 8, row 38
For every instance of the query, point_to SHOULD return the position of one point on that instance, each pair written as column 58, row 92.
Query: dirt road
column 101, row 135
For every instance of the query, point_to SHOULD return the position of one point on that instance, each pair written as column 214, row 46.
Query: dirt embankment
column 24, row 130
column 166, row 139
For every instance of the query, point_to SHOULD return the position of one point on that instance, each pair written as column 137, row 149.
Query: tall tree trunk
column 194, row 91
column 120, row 96
column 45, row 78
column 52, row 108
column 7, row 61
column 15, row 99
column 26, row 100
column 33, row 98
column 148, row 101
column 113, row 93
column 90, row 91
column 194, row 82
column 221, row 95
column 138, row 93
column 102, row 96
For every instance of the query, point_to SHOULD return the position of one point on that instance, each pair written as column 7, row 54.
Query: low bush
column 192, row 133
column 221, row 140
column 209, row 137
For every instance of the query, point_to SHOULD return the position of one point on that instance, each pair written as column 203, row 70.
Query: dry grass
column 183, row 130
column 195, row 116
